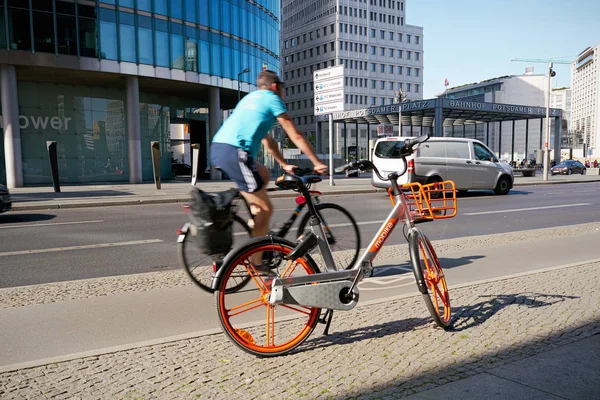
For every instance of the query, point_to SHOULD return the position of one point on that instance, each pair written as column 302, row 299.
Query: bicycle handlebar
column 366, row 165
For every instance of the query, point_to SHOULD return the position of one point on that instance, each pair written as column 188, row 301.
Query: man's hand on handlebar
column 289, row 168
column 320, row 168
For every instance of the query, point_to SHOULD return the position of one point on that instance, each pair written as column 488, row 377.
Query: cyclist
column 236, row 144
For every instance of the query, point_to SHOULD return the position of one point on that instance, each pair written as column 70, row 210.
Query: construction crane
column 551, row 74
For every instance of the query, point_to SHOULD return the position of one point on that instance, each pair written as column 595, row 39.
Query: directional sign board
column 329, row 90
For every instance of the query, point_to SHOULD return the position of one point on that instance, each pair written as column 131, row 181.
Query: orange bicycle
column 289, row 301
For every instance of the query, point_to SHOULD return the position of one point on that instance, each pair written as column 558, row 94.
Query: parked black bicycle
column 341, row 230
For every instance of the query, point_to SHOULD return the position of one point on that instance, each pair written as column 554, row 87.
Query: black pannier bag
column 212, row 214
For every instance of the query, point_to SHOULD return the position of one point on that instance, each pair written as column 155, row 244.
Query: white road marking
column 51, row 224
column 82, row 247
column 527, row 209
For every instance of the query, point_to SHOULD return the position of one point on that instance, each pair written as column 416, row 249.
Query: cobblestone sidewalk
column 382, row 351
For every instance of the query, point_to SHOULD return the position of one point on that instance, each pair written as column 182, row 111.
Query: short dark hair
column 266, row 78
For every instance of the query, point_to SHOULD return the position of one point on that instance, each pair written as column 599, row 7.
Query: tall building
column 380, row 51
column 585, row 98
column 106, row 78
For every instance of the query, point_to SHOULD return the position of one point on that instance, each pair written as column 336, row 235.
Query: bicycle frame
column 321, row 290
column 283, row 231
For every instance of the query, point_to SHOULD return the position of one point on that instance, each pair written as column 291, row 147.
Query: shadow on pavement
column 363, row 333
column 466, row 317
column 10, row 218
column 399, row 269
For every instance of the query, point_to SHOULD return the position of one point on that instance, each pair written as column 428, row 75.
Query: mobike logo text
column 386, row 231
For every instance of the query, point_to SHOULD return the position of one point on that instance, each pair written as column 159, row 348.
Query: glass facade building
column 82, row 71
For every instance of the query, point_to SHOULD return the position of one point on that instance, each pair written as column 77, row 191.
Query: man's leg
column 261, row 208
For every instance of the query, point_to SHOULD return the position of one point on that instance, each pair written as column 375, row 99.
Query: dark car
column 5, row 202
column 179, row 169
column 568, row 167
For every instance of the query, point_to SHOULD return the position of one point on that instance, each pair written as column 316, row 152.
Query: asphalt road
column 58, row 245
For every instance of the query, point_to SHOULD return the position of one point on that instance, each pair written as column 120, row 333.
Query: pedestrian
column 595, row 163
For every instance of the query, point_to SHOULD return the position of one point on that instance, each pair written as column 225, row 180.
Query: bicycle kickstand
column 326, row 319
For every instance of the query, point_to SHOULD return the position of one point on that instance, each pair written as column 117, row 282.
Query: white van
column 467, row 162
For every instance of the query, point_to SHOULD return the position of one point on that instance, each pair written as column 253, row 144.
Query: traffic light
column 552, row 73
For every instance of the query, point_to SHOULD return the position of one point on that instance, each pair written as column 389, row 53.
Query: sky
column 469, row 41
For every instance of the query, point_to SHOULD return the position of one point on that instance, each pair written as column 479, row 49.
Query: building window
column 382, row 85
column 43, row 27
column 391, row 52
column 382, row 51
column 372, row 67
column 382, row 68
column 391, row 85
column 373, row 101
column 407, row 38
column 417, row 88
column 399, row 70
column 400, row 52
column 391, row 69
column 87, row 31
column 416, row 71
column 391, row 35
column 372, row 33
column 108, row 34
column 373, row 50
column 408, row 87
column 408, row 71
column 127, row 37
column 416, row 39
column 408, row 54
column 373, row 85
column 399, row 37
column 417, row 55
column 382, row 34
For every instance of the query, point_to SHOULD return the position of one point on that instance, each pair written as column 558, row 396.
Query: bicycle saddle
column 289, row 182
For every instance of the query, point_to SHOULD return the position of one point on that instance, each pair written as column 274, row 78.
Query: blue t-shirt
column 251, row 120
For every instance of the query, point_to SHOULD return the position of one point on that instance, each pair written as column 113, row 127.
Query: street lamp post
column 239, row 83
column 400, row 98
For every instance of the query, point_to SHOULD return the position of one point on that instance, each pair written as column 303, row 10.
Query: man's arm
column 271, row 145
column 298, row 138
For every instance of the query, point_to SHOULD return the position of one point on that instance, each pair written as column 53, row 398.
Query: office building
column 380, row 51
column 585, row 99
column 105, row 79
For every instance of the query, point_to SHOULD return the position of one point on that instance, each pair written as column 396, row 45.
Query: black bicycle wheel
column 199, row 266
column 281, row 328
column 342, row 233
column 430, row 278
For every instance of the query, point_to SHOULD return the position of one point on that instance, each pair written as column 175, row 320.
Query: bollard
column 155, row 148
column 52, row 155
column 195, row 157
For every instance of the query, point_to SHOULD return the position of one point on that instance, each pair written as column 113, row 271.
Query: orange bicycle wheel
column 430, row 279
column 247, row 318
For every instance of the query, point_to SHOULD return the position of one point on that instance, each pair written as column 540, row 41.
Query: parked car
column 179, row 169
column 5, row 202
column 568, row 167
column 467, row 162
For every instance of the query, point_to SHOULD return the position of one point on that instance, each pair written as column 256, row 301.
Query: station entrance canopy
column 436, row 114
column 425, row 112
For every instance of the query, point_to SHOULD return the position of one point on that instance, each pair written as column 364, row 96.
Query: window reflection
column 176, row 9
column 145, row 40
column 160, row 7
column 161, row 43
column 190, row 10
column 108, row 34
column 203, row 12
column 191, row 50
column 66, row 28
column 127, row 37
column 145, row 5
column 87, row 31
